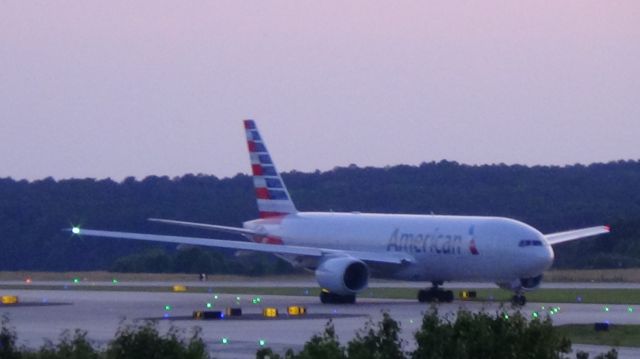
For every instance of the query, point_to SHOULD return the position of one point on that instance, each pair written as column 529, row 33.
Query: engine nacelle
column 522, row 283
column 343, row 275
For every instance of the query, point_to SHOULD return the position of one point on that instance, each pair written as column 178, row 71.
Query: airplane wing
column 389, row 258
column 566, row 236
column 214, row 227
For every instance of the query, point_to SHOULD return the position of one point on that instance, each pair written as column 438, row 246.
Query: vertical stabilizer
column 271, row 193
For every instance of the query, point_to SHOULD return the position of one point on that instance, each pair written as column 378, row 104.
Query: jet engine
column 522, row 283
column 343, row 275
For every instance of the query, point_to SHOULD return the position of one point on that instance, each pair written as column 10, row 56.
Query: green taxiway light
column 209, row 305
column 506, row 316
column 262, row 342
column 76, row 280
column 114, row 281
column 225, row 340
column 606, row 309
column 630, row 309
column 534, row 314
column 167, row 307
column 75, row 230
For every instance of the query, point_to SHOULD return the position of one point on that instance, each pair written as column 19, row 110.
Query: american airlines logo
column 437, row 243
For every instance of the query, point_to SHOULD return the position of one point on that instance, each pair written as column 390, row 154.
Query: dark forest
column 33, row 214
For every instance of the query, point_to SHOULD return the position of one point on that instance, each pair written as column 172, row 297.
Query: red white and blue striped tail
column 273, row 197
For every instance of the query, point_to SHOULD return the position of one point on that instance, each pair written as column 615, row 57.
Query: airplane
column 346, row 249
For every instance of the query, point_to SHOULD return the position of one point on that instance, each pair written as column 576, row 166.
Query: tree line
column 551, row 198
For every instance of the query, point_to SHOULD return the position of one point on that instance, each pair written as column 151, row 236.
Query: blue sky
column 122, row 88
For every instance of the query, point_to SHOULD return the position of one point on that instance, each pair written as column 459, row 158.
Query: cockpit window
column 530, row 242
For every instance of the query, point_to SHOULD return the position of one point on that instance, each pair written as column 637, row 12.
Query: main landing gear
column 519, row 300
column 332, row 298
column 435, row 294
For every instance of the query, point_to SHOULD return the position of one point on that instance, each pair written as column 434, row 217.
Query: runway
column 311, row 283
column 101, row 312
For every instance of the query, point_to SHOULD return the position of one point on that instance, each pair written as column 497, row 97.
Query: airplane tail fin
column 272, row 195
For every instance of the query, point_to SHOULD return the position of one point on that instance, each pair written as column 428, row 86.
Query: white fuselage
column 445, row 248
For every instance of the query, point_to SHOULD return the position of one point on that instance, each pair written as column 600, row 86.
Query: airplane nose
column 540, row 260
column 548, row 256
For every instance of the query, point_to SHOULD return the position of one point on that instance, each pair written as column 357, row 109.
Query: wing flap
column 249, row 246
column 566, row 236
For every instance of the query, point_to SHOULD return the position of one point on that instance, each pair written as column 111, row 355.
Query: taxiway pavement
column 45, row 314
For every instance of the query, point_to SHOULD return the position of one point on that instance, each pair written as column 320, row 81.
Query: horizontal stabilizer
column 212, row 227
column 390, row 258
column 566, row 236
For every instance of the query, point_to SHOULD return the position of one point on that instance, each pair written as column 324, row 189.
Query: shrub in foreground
column 132, row 341
column 461, row 335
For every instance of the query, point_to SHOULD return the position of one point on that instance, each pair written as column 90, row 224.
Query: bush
column 377, row 342
column 481, row 335
column 132, row 341
column 144, row 341
column 75, row 346
column 460, row 336
column 8, row 348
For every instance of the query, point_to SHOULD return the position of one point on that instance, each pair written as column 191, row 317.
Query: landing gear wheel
column 331, row 298
column 425, row 296
column 447, row 296
column 519, row 300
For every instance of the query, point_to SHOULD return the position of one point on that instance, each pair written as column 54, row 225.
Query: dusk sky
column 135, row 88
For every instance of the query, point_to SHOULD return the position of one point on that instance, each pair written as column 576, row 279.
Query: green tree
column 325, row 345
column 144, row 341
column 377, row 341
column 481, row 335
column 75, row 346
column 8, row 349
